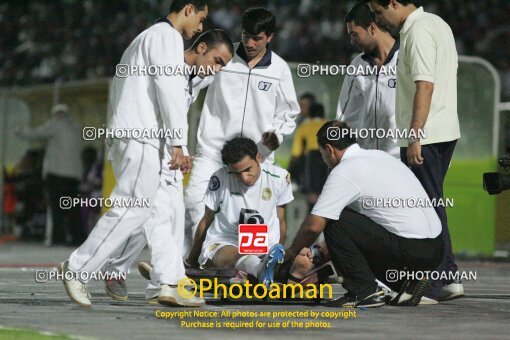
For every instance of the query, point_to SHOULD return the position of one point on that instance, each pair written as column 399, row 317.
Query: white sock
column 249, row 264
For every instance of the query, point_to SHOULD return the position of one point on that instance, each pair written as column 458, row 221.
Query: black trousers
column 431, row 174
column 362, row 251
column 316, row 172
column 64, row 220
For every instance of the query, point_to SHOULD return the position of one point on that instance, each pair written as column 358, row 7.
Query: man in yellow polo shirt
column 426, row 101
column 312, row 175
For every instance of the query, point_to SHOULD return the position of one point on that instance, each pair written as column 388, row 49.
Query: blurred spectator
column 30, row 213
column 296, row 168
column 306, row 100
column 71, row 39
column 91, row 186
column 9, row 203
column 312, row 173
column 61, row 171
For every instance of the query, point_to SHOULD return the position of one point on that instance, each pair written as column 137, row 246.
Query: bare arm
column 421, row 108
column 200, row 235
column 422, row 102
column 280, row 212
column 306, row 236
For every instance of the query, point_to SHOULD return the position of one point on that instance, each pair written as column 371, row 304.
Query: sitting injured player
column 243, row 192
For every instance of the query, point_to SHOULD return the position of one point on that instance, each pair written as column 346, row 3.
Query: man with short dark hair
column 427, row 100
column 367, row 100
column 191, row 25
column 306, row 100
column 245, row 191
column 147, row 167
column 212, row 49
column 253, row 97
column 366, row 240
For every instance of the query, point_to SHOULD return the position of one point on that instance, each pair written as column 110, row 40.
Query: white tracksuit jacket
column 368, row 102
column 247, row 103
column 147, row 101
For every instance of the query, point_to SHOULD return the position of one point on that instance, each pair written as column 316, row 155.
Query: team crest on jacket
column 264, row 86
column 214, row 183
column 392, row 83
column 267, row 194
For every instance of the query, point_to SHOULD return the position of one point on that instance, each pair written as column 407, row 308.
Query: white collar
column 351, row 151
column 411, row 18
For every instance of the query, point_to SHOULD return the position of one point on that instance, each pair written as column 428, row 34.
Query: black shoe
column 410, row 294
column 349, row 300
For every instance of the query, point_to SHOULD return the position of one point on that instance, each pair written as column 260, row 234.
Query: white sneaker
column 427, row 301
column 76, row 290
column 169, row 296
column 452, row 291
column 151, row 299
column 151, row 295
column 411, row 294
column 145, row 270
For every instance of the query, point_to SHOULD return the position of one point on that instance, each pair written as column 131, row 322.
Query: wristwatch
column 412, row 140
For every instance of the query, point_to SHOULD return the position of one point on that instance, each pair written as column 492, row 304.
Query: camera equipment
column 496, row 182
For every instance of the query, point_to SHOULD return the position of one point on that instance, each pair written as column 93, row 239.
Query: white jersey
column 154, row 102
column 236, row 203
column 365, row 181
column 368, row 101
column 248, row 102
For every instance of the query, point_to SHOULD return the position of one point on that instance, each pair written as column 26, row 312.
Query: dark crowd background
column 63, row 40
column 45, row 41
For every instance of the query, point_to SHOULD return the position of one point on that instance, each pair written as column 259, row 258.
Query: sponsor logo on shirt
column 214, row 183
column 267, row 194
column 264, row 86
column 250, row 216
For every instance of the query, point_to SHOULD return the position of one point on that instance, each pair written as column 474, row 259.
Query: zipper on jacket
column 245, row 101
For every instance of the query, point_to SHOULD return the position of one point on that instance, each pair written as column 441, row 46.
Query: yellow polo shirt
column 305, row 139
column 428, row 53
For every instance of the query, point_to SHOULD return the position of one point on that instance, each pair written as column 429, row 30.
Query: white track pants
column 140, row 170
column 203, row 169
column 168, row 216
column 126, row 255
